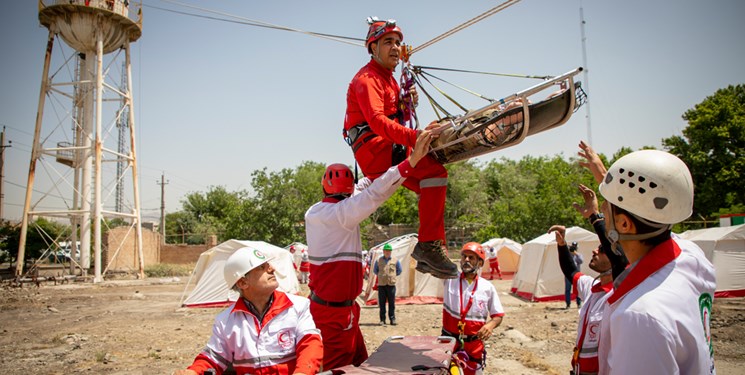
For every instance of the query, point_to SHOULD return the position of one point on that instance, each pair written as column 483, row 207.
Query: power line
column 249, row 22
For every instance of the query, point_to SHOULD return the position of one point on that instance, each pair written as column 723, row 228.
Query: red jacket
column 372, row 97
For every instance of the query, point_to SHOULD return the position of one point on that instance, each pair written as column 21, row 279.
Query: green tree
column 713, row 146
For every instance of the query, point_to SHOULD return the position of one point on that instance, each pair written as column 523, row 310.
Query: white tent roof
column 210, row 289
column 539, row 277
column 725, row 248
column 412, row 287
column 508, row 253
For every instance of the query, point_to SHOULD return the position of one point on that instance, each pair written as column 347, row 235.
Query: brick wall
column 120, row 253
column 182, row 254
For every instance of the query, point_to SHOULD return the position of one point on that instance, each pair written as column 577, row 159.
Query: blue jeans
column 387, row 294
column 568, row 293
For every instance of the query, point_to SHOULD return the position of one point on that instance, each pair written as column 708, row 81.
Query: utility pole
column 163, row 184
column 2, row 170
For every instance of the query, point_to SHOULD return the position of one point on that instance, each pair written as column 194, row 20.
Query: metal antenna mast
column 585, row 72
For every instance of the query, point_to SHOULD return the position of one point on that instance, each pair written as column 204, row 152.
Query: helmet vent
column 641, row 179
column 622, row 181
column 660, row 203
column 642, row 191
column 620, row 198
column 631, row 184
column 652, row 185
column 608, row 178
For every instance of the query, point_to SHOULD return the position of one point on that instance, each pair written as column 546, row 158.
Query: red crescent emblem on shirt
column 284, row 339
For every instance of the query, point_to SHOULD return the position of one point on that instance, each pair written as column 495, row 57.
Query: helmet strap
column 614, row 236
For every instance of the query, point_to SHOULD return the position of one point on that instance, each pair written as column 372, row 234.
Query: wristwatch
column 595, row 217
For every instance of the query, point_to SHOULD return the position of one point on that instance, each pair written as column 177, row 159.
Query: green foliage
column 40, row 236
column 713, row 147
column 168, row 270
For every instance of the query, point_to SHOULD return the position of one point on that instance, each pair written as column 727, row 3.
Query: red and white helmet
column 338, row 179
column 379, row 28
column 475, row 248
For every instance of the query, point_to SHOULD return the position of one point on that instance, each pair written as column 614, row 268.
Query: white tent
column 210, row 289
column 508, row 253
column 412, row 287
column 725, row 249
column 539, row 277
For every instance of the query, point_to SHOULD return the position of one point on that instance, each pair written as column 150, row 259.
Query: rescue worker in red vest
column 471, row 310
column 335, row 251
column 658, row 319
column 387, row 268
column 373, row 128
column 265, row 331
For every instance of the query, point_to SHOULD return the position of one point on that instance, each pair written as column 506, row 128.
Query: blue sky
column 215, row 101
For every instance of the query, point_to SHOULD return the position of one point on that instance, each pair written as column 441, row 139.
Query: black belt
column 313, row 297
column 466, row 338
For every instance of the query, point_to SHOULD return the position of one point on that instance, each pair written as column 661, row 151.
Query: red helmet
column 379, row 28
column 338, row 179
column 475, row 248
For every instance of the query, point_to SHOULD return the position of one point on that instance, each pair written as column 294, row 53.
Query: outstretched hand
column 560, row 232
column 591, row 202
column 592, row 161
column 421, row 148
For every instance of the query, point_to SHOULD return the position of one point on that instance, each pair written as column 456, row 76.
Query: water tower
column 78, row 157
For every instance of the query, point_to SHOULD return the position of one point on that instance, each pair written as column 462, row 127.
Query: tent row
column 535, row 265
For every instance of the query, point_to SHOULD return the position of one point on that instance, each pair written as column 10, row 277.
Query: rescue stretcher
column 421, row 355
column 508, row 121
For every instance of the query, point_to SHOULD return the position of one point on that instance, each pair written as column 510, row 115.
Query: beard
column 468, row 268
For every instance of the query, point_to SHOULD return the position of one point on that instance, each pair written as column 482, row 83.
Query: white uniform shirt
column 657, row 321
column 485, row 305
column 491, row 253
column 238, row 338
column 333, row 234
column 595, row 296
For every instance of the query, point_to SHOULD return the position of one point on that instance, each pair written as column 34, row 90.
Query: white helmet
column 241, row 262
column 654, row 185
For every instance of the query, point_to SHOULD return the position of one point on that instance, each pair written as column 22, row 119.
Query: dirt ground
column 138, row 327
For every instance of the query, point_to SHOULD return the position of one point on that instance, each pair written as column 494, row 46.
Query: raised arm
column 592, row 161
column 568, row 267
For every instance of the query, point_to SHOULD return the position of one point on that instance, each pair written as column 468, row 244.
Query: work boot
column 433, row 255
column 382, row 322
column 424, row 268
column 393, row 321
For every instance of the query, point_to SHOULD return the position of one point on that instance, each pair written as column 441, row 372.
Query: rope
column 460, row 87
column 247, row 21
column 468, row 23
column 478, row 72
column 445, row 95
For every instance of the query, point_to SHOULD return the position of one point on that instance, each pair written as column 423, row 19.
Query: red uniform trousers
column 343, row 343
column 429, row 180
column 475, row 350
column 494, row 265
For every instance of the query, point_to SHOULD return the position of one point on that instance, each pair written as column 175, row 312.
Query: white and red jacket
column 285, row 342
column 333, row 235
column 657, row 320
column 594, row 295
column 484, row 304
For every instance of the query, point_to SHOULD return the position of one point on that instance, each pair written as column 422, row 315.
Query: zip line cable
column 464, row 25
column 249, row 22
